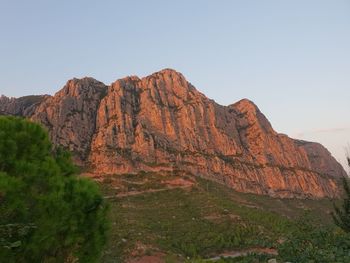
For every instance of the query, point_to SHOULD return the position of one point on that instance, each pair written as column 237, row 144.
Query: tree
column 47, row 214
column 341, row 215
column 312, row 243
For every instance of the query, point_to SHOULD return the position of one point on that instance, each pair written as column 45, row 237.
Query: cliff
column 161, row 122
column 23, row 106
column 70, row 115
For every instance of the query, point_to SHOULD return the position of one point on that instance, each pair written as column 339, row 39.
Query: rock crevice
column 161, row 122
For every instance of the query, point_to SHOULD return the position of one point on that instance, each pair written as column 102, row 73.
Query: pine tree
column 47, row 214
column 341, row 215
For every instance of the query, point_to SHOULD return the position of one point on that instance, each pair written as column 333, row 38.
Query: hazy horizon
column 291, row 58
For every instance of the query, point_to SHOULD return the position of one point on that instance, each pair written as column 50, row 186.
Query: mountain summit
column 161, row 122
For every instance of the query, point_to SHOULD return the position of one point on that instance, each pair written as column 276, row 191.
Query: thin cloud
column 317, row 131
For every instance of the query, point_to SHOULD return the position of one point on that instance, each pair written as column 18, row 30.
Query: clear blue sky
column 292, row 58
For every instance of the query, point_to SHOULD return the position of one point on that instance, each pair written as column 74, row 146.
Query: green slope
column 201, row 221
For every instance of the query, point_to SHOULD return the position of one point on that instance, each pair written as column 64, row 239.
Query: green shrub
column 341, row 215
column 46, row 213
column 312, row 244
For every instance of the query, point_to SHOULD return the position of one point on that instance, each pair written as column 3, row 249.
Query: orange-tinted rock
column 161, row 122
column 70, row 115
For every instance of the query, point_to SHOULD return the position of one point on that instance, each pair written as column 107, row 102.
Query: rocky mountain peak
column 70, row 115
column 251, row 115
column 171, row 73
column 245, row 104
column 76, row 87
column 162, row 123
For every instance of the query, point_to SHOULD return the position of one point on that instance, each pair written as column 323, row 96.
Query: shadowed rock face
column 70, row 115
column 23, row 106
column 161, row 122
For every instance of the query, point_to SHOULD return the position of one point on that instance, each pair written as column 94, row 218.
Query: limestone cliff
column 23, row 106
column 70, row 115
column 161, row 122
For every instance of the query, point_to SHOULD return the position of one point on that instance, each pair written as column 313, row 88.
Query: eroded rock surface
column 23, row 106
column 70, row 115
column 161, row 122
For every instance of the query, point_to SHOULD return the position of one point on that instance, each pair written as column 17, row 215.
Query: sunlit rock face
column 161, row 122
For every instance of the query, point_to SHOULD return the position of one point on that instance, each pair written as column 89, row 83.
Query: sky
column 292, row 58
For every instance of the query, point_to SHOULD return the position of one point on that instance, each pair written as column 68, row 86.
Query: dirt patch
column 159, row 258
column 164, row 185
column 180, row 182
column 218, row 217
column 234, row 217
column 213, row 217
column 244, row 252
column 133, row 193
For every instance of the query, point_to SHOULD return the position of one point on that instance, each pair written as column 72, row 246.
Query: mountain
column 23, row 106
column 162, row 123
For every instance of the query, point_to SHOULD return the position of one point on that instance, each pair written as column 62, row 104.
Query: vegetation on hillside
column 327, row 244
column 310, row 243
column 341, row 215
column 47, row 214
column 203, row 221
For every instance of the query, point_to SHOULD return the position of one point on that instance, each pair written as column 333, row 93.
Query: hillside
column 175, row 217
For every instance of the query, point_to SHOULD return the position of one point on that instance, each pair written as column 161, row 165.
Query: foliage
column 46, row 213
column 250, row 258
column 202, row 221
column 313, row 244
column 341, row 215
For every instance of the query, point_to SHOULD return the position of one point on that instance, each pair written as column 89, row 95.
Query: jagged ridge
column 161, row 122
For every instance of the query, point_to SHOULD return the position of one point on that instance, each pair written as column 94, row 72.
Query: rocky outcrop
column 70, row 115
column 161, row 122
column 23, row 106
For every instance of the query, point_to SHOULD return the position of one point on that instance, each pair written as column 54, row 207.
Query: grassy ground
column 201, row 221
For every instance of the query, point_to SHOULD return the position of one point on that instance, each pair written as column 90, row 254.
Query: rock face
column 161, row 122
column 70, row 115
column 23, row 106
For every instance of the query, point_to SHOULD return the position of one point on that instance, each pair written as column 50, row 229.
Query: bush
column 341, row 215
column 312, row 244
column 47, row 214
